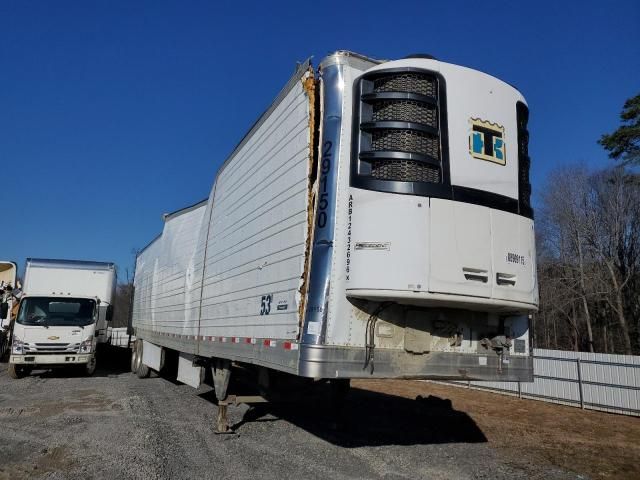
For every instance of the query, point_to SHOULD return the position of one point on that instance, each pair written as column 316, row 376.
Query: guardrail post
column 519, row 390
column 580, row 382
column 468, row 383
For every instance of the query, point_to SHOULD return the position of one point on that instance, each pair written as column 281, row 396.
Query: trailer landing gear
column 221, row 372
column 279, row 388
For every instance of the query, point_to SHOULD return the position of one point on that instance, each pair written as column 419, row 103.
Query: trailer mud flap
column 152, row 356
column 188, row 373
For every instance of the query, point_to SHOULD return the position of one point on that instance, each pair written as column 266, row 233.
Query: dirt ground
column 595, row 444
column 60, row 425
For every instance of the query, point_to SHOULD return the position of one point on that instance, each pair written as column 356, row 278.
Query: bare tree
column 613, row 235
column 589, row 260
column 564, row 222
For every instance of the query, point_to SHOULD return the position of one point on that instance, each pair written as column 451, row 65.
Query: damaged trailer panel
column 232, row 268
column 356, row 231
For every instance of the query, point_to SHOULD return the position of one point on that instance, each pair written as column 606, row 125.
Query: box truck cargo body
column 63, row 314
column 375, row 222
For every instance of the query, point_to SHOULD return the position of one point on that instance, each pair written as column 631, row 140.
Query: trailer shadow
column 372, row 419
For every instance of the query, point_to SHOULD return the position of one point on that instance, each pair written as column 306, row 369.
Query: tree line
column 588, row 249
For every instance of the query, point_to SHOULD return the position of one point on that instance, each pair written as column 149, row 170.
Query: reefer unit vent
column 397, row 130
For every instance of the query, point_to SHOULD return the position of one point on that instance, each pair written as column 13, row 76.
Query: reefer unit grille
column 401, row 140
column 413, row 82
column 524, row 162
column 405, row 110
column 410, row 170
column 398, row 131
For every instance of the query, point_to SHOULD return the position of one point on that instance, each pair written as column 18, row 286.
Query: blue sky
column 114, row 112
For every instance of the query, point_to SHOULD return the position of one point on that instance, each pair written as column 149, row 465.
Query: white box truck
column 374, row 222
column 63, row 314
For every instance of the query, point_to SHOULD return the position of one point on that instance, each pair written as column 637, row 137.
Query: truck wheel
column 142, row 371
column 4, row 345
column 90, row 367
column 17, row 371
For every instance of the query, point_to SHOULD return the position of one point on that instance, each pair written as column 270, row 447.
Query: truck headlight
column 17, row 346
column 86, row 346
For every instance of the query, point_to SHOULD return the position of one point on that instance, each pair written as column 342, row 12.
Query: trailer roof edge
column 183, row 210
column 77, row 264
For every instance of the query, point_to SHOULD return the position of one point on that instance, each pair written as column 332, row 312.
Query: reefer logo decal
column 486, row 141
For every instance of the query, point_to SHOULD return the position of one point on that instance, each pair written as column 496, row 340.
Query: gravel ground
column 57, row 425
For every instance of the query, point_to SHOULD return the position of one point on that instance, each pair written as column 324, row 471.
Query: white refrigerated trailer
column 374, row 222
column 63, row 314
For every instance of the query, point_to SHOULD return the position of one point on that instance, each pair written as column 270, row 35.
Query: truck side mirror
column 4, row 310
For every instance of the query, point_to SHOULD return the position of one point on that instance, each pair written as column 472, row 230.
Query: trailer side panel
column 258, row 229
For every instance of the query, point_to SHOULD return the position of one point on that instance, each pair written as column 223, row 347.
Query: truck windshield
column 52, row 311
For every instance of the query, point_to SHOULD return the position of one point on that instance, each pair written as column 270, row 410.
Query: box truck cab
column 63, row 315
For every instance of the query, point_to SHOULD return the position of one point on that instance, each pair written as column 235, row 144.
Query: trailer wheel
column 17, row 371
column 134, row 357
column 142, row 371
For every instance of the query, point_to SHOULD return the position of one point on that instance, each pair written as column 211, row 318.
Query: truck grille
column 397, row 139
column 51, row 348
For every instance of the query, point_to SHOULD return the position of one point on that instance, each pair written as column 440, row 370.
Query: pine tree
column 624, row 143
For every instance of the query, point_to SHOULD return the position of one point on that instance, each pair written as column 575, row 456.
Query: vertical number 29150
column 325, row 168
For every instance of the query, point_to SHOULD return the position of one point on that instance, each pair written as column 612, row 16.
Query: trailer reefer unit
column 63, row 314
column 374, row 222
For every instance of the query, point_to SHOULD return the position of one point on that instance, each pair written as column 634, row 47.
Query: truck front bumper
column 51, row 360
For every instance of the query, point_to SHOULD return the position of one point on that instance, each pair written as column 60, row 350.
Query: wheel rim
column 134, row 357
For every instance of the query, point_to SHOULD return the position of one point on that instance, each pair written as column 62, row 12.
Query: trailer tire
column 134, row 357
column 142, row 371
column 17, row 371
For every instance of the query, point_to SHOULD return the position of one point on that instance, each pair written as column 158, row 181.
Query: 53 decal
column 265, row 304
